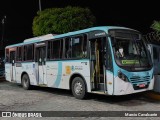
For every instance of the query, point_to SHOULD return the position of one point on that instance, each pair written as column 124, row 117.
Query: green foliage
column 156, row 26
column 62, row 20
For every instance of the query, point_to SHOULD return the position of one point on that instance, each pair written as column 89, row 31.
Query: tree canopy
column 156, row 26
column 62, row 20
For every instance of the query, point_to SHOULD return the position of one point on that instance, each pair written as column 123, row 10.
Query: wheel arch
column 77, row 75
column 24, row 72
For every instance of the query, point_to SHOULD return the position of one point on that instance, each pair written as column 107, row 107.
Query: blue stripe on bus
column 59, row 75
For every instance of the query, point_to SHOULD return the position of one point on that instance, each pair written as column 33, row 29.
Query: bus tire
column 26, row 82
column 79, row 88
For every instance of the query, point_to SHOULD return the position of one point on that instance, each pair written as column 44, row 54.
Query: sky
column 134, row 14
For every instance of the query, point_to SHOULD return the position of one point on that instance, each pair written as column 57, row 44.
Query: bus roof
column 53, row 36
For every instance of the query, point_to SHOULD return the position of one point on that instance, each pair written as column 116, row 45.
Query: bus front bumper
column 123, row 88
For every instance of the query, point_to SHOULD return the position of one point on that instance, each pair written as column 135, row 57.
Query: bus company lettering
column 99, row 34
column 73, row 68
column 78, row 68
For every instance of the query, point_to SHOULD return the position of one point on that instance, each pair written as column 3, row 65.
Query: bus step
column 101, row 86
column 43, row 85
column 101, row 78
column 100, row 92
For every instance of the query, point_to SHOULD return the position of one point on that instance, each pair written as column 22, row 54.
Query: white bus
column 155, row 55
column 103, row 60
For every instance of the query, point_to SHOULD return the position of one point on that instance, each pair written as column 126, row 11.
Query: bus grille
column 137, row 79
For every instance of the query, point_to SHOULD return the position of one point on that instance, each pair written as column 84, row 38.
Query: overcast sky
column 128, row 13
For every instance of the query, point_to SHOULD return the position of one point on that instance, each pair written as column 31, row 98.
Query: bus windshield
column 130, row 53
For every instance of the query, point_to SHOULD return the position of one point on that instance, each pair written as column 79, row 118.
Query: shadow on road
column 53, row 91
column 125, row 100
column 2, row 79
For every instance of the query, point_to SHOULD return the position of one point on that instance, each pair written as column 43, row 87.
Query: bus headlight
column 122, row 76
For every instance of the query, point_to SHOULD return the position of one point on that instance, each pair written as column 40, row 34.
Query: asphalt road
column 14, row 98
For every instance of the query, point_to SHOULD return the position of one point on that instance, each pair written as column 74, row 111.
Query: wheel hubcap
column 78, row 88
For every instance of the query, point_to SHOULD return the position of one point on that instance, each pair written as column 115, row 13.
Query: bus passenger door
column 13, row 69
column 98, row 69
column 41, row 64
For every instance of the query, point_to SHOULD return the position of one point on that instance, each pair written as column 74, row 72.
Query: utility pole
column 40, row 8
column 3, row 29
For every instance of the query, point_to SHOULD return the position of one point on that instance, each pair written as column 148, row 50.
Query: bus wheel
column 26, row 82
column 78, row 88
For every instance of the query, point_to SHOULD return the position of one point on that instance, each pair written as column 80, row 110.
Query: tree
column 156, row 26
column 62, row 20
column 154, row 36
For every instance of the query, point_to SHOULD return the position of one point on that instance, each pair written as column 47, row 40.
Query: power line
column 3, row 30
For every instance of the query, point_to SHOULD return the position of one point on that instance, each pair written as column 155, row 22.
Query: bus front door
column 12, row 70
column 41, row 65
column 98, row 70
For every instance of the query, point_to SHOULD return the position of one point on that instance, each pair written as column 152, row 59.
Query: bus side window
column 68, row 48
column 55, row 49
column 19, row 54
column 48, row 50
column 85, row 46
column 12, row 57
column 28, row 52
column 7, row 55
column 24, row 55
column 78, row 46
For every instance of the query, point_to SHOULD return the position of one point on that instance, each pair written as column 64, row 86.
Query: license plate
column 141, row 85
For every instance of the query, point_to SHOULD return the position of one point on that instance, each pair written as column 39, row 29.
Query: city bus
column 105, row 60
column 154, row 50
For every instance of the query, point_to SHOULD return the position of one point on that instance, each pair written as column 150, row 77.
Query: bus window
column 28, row 49
column 19, row 54
column 12, row 57
column 76, row 47
column 24, row 53
column 55, row 49
column 68, row 48
column 7, row 55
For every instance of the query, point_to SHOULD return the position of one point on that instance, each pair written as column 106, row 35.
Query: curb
column 153, row 95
